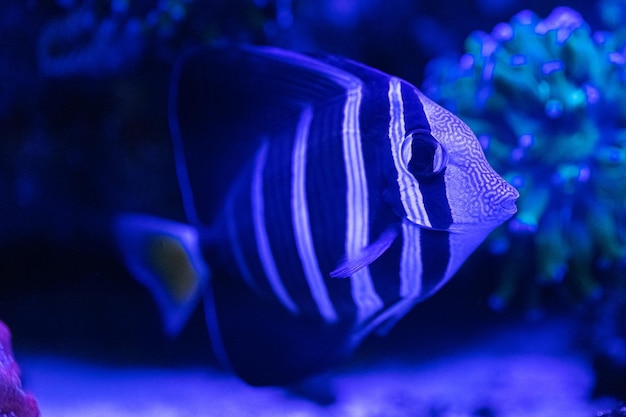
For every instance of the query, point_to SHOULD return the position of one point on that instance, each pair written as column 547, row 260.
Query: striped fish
column 355, row 197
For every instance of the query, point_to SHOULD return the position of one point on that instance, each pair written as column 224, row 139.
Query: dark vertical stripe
column 386, row 273
column 436, row 201
column 241, row 252
column 326, row 190
column 385, row 206
column 278, row 217
column 260, row 232
column 301, row 222
column 435, row 258
column 433, row 188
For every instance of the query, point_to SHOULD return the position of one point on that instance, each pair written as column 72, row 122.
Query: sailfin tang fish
column 353, row 197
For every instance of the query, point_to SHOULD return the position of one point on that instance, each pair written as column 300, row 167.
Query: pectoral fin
column 351, row 264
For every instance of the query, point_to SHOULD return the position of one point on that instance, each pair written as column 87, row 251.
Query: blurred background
column 84, row 135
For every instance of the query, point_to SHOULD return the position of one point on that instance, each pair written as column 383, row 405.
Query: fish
column 323, row 199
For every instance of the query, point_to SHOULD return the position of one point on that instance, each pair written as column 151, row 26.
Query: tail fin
column 165, row 256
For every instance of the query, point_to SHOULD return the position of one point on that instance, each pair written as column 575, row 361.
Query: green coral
column 547, row 100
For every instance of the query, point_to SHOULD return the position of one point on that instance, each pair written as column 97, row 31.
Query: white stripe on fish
column 262, row 242
column 300, row 219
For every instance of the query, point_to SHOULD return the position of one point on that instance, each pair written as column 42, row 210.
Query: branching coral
column 547, row 100
column 100, row 39
column 103, row 37
column 83, row 43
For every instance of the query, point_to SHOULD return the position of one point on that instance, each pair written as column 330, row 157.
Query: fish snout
column 509, row 198
column 498, row 203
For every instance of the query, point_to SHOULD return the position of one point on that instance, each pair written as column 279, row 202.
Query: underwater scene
column 313, row 208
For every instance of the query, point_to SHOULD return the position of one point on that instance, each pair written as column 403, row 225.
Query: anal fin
column 266, row 345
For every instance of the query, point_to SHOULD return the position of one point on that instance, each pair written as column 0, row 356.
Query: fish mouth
column 509, row 206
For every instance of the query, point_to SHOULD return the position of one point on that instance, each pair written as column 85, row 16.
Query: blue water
column 84, row 135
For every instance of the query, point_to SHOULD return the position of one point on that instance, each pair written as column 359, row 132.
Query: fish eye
column 427, row 156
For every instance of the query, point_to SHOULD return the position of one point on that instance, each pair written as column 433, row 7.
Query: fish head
column 450, row 157
column 446, row 184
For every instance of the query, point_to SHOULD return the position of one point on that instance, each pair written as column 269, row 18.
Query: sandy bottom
column 525, row 371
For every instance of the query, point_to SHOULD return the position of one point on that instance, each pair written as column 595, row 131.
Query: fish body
column 356, row 197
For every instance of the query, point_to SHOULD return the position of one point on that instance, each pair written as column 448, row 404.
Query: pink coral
column 13, row 400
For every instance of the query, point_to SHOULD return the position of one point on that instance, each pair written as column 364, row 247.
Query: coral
column 547, row 100
column 80, row 44
column 94, row 39
column 612, row 13
column 13, row 400
column 99, row 37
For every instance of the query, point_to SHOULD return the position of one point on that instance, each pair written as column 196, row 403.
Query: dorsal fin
column 223, row 100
